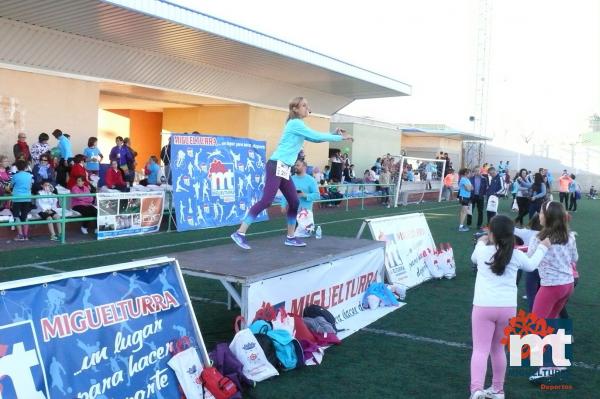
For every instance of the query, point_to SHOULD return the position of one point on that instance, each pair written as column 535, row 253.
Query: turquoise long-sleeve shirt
column 294, row 134
column 308, row 185
column 64, row 145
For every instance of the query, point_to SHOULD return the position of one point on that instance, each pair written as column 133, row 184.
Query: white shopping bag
column 492, row 205
column 446, row 260
column 470, row 209
column 306, row 223
column 248, row 351
column 187, row 367
column 431, row 261
column 515, row 206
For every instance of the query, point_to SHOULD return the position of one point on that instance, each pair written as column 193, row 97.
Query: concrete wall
column 429, row 147
column 370, row 143
column 267, row 124
column 223, row 120
column 36, row 103
column 111, row 123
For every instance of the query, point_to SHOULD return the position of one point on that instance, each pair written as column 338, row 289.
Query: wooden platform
column 269, row 257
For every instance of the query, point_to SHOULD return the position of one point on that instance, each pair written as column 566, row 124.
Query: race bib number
column 283, row 170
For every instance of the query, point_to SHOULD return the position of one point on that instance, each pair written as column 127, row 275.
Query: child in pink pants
column 495, row 301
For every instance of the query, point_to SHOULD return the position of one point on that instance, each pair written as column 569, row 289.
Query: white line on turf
column 416, row 338
column 207, row 300
column 178, row 244
column 452, row 344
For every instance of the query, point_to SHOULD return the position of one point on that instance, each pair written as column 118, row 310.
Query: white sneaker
column 302, row 234
column 479, row 394
column 84, row 230
column 491, row 393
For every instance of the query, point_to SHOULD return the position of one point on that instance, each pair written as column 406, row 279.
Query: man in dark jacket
column 165, row 154
column 480, row 186
column 494, row 188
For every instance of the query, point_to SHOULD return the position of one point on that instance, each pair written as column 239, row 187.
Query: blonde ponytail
column 295, row 102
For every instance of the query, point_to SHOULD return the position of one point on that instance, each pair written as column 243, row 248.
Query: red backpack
column 221, row 387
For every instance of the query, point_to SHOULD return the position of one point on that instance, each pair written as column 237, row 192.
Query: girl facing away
column 495, row 301
column 555, row 269
column 278, row 171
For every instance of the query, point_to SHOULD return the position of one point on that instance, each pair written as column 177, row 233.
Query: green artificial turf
column 387, row 360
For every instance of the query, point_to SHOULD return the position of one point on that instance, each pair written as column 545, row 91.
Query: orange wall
column 145, row 129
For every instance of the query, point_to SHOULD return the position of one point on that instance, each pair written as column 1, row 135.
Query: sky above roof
column 544, row 78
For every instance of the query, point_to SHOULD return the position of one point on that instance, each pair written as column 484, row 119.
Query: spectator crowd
column 45, row 170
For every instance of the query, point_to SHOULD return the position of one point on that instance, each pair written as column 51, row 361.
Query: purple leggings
column 272, row 184
column 488, row 325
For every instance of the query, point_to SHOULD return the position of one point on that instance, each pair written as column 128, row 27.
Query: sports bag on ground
column 221, row 387
column 316, row 311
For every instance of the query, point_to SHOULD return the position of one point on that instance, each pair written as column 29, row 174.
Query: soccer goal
column 419, row 180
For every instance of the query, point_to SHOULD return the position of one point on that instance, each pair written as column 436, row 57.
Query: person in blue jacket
column 278, row 170
column 307, row 190
column 538, row 195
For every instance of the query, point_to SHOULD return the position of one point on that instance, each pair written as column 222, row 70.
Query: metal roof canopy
column 415, row 130
column 158, row 44
column 446, row 133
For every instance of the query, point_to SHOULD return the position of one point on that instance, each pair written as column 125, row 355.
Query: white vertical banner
column 338, row 286
column 406, row 238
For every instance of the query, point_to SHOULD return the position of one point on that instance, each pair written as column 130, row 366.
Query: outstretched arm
column 299, row 128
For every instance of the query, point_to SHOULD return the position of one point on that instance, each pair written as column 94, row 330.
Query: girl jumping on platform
column 278, row 170
column 495, row 301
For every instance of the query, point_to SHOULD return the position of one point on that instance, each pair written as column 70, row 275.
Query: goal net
column 420, row 180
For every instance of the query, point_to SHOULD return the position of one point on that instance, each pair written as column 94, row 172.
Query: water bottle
column 318, row 233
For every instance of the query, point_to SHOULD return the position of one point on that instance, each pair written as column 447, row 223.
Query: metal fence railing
column 350, row 192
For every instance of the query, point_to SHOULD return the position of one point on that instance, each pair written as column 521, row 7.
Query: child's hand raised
column 546, row 242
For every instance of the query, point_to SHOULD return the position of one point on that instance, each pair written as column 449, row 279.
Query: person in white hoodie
column 48, row 209
column 495, row 301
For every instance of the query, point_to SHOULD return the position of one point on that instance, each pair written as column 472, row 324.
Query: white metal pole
column 399, row 183
column 442, row 181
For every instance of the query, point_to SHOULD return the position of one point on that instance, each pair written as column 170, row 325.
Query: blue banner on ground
column 99, row 336
column 216, row 179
